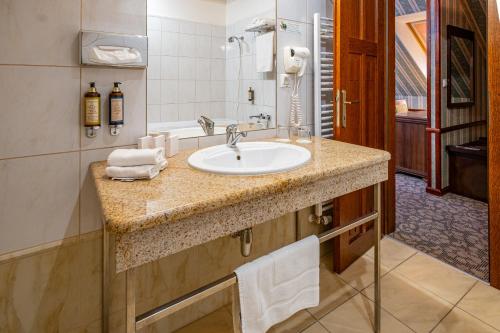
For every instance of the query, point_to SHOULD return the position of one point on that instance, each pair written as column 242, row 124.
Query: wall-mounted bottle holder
column 91, row 132
column 113, row 50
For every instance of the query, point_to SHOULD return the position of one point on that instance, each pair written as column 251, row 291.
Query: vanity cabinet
column 411, row 148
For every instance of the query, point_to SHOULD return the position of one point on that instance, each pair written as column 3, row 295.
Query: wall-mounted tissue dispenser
column 116, row 50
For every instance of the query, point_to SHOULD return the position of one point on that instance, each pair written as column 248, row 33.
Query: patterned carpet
column 452, row 228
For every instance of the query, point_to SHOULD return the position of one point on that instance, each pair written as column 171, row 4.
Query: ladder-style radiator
column 324, row 42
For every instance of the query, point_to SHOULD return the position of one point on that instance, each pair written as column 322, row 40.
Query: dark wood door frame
column 434, row 130
column 389, row 188
column 494, row 141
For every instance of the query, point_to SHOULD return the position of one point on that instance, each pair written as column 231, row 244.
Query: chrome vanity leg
column 378, row 233
column 130, row 286
column 105, row 280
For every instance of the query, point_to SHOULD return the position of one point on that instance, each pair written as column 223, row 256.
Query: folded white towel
column 275, row 286
column 163, row 164
column 264, row 49
column 261, row 22
column 133, row 157
column 133, row 172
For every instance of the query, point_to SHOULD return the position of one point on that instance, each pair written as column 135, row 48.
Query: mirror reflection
column 211, row 64
column 460, row 67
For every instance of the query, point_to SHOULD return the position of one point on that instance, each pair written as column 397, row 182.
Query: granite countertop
column 181, row 191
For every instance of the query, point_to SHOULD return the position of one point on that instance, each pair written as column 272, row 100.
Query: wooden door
column 494, row 140
column 359, row 77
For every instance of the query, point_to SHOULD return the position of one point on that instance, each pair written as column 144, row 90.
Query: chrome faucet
column 261, row 118
column 233, row 136
column 207, row 124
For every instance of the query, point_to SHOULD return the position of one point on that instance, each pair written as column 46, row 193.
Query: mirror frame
column 457, row 32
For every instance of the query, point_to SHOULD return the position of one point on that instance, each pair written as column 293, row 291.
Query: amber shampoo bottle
column 92, row 109
column 116, row 109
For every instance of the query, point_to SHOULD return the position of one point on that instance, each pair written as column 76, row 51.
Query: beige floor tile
column 437, row 277
column 219, row 321
column 333, row 290
column 459, row 321
column 393, row 252
column 360, row 274
column 356, row 316
column 316, row 328
column 418, row 308
column 483, row 302
column 296, row 323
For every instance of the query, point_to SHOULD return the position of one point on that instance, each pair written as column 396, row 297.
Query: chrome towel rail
column 199, row 294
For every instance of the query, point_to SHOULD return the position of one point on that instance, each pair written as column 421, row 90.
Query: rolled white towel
column 133, row 172
column 134, row 157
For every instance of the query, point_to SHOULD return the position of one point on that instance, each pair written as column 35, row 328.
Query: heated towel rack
column 324, row 42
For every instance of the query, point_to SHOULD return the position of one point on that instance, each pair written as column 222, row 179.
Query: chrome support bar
column 135, row 323
column 182, row 302
column 377, row 271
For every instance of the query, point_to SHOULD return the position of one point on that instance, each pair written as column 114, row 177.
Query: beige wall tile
column 40, row 293
column 134, row 90
column 459, row 321
column 39, row 200
column 483, row 302
column 39, row 32
column 90, row 210
column 356, row 315
column 40, row 112
column 119, row 16
column 428, row 273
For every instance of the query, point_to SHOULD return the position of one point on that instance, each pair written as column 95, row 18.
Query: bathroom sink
column 250, row 158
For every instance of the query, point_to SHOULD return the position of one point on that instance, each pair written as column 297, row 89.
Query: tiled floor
column 419, row 294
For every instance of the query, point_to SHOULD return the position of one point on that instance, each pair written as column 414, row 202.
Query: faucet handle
column 232, row 128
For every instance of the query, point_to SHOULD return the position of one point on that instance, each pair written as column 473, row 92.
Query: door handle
column 344, row 107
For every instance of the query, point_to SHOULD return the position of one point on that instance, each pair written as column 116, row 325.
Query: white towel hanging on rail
column 274, row 287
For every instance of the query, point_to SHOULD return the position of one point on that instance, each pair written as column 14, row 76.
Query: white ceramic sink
column 250, row 158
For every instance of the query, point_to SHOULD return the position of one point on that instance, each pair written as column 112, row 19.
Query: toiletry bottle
column 116, row 109
column 92, row 109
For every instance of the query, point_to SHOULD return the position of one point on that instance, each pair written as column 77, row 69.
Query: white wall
column 238, row 10
column 202, row 11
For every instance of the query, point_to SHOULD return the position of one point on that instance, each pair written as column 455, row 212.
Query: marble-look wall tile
column 39, row 32
column 134, row 89
column 40, row 293
column 39, row 200
column 40, row 112
column 118, row 16
column 90, row 210
column 50, row 277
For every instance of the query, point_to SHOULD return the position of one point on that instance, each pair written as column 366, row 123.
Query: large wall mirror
column 211, row 61
column 461, row 70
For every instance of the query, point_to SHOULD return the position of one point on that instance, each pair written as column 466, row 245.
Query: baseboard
column 437, row 191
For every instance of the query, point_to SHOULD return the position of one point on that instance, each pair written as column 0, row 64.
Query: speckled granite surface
column 184, row 207
column 181, row 192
